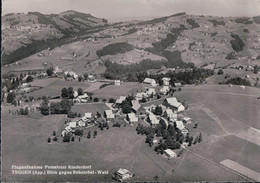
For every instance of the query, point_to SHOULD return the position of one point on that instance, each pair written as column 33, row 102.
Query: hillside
column 25, row 34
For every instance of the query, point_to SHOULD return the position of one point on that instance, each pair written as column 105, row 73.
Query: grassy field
column 117, row 91
column 83, row 108
column 53, row 86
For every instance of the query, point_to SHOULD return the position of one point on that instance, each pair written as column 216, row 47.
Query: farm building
column 120, row 100
column 166, row 81
column 152, row 119
column 140, row 95
column 135, row 105
column 123, row 174
column 150, row 81
column 151, row 91
column 109, row 114
column 164, row 90
column 179, row 125
column 131, row 117
column 186, row 120
column 91, row 78
column 177, row 84
column 82, row 98
column 169, row 153
column 117, row 82
column 87, row 116
column 75, row 94
column 81, row 123
column 173, row 103
column 170, row 115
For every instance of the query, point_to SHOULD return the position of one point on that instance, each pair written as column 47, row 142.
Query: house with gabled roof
column 109, row 114
column 173, row 103
column 150, row 81
column 152, row 119
column 120, row 100
column 135, row 105
column 166, row 81
column 164, row 90
column 131, row 117
column 170, row 115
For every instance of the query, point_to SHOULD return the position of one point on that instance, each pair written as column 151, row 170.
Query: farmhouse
column 81, row 123
column 173, row 103
column 179, row 125
column 186, row 120
column 170, row 115
column 151, row 91
column 149, row 81
column 123, row 174
column 164, row 90
column 120, row 100
column 177, row 84
column 87, row 116
column 131, row 117
column 117, row 82
column 109, row 114
column 135, row 105
column 166, row 81
column 75, row 94
column 82, row 98
column 140, row 95
column 152, row 119
column 169, row 153
column 91, row 78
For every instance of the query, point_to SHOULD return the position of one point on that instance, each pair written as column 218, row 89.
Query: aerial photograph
column 130, row 91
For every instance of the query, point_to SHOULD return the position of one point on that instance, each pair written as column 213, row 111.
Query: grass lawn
column 83, row 108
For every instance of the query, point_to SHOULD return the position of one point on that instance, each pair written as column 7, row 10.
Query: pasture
column 124, row 89
column 91, row 107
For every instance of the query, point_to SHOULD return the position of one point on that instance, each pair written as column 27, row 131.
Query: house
column 151, row 91
column 140, row 95
column 135, row 105
column 186, row 120
column 117, row 82
column 170, row 115
column 75, row 94
column 123, row 174
column 72, row 125
column 83, row 98
column 169, row 153
column 152, row 119
column 164, row 90
column 109, row 114
column 173, row 103
column 150, row 81
column 179, row 125
column 81, row 123
column 177, row 84
column 87, row 116
column 184, row 131
column 120, row 100
column 166, row 81
column 131, row 117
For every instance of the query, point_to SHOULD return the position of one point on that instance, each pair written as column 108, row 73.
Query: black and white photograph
column 130, row 91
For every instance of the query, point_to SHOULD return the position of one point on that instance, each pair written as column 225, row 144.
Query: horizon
column 136, row 9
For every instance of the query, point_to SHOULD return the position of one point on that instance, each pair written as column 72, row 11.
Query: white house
column 151, row 91
column 153, row 119
column 170, row 115
column 177, row 84
column 135, row 105
column 120, row 100
column 91, row 78
column 87, row 116
column 169, row 153
column 131, row 117
column 150, row 81
column 82, row 98
column 186, row 120
column 166, row 81
column 117, row 82
column 123, row 174
column 179, row 125
column 140, row 95
column 164, row 90
column 173, row 103
column 109, row 114
column 75, row 94
column 81, row 123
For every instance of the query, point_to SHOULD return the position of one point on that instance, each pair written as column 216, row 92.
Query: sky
column 116, row 9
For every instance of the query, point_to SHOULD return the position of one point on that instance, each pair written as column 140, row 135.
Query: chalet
column 131, row 117
column 152, row 119
column 117, row 82
column 177, row 84
column 135, row 105
column 173, row 103
column 140, row 95
column 170, row 115
column 169, row 153
column 150, row 81
column 120, row 100
column 166, row 81
column 164, row 90
column 123, row 174
column 109, row 114
column 179, row 125
column 151, row 91
column 91, row 78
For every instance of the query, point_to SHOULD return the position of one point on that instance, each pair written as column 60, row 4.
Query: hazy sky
column 111, row 9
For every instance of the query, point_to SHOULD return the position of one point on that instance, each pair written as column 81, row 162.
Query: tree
column 10, row 97
column 158, row 110
column 55, row 139
column 200, row 138
column 49, row 140
column 44, row 109
column 66, row 138
column 80, row 91
column 78, row 132
column 29, row 79
column 54, row 133
column 70, row 92
column 156, row 178
column 98, row 114
column 126, row 108
column 72, row 138
column 95, row 134
column 256, row 69
column 49, row 71
column 89, row 135
column 96, row 99
column 64, row 93
column 220, row 72
column 112, row 100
